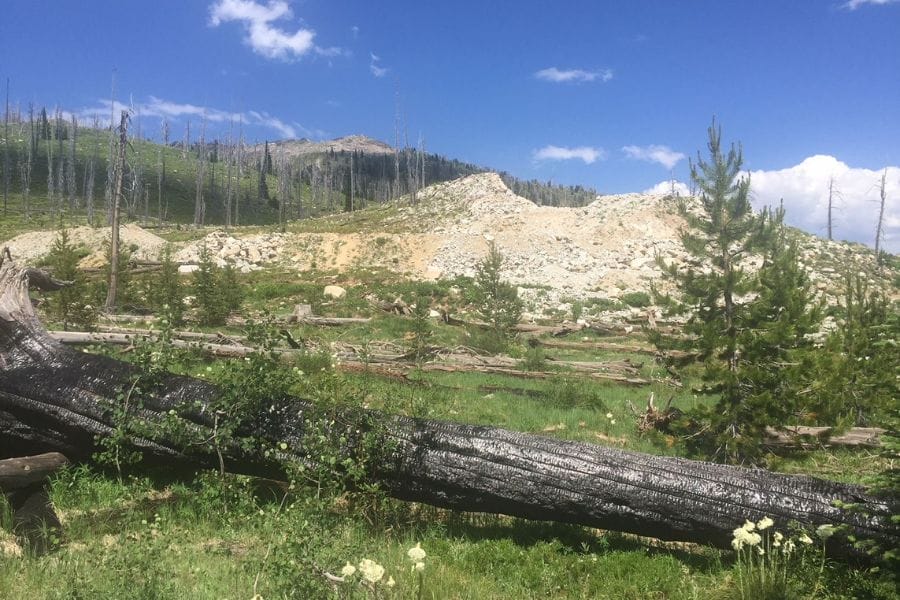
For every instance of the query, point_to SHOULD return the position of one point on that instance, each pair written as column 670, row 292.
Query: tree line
column 56, row 166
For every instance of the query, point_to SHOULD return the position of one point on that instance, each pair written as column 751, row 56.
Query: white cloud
column 573, row 75
column 158, row 107
column 261, row 35
column 375, row 65
column 804, row 188
column 665, row 188
column 587, row 154
column 854, row 4
column 654, row 153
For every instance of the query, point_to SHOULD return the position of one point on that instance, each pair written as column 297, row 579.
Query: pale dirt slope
column 603, row 250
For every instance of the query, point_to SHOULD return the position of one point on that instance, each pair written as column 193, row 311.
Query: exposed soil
column 556, row 255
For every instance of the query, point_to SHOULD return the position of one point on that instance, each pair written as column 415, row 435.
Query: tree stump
column 24, row 483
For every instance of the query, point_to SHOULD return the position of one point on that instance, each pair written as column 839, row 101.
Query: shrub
column 637, row 299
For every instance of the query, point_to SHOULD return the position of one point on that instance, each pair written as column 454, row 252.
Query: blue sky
column 614, row 95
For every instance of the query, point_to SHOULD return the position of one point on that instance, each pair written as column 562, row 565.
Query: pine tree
column 167, row 292
column 853, row 378
column 69, row 305
column 211, row 307
column 420, row 328
column 230, row 289
column 744, row 324
column 497, row 301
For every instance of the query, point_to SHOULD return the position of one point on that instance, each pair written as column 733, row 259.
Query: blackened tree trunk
column 53, row 398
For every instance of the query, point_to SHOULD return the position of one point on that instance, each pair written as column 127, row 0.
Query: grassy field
column 154, row 534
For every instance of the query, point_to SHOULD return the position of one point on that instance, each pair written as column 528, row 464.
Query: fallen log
column 803, row 436
column 587, row 346
column 16, row 473
column 23, row 481
column 53, row 398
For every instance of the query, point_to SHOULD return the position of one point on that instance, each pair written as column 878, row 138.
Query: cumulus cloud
column 260, row 33
column 573, row 75
column 804, row 188
column 587, row 154
column 854, row 4
column 158, row 107
column 375, row 66
column 665, row 188
column 654, row 153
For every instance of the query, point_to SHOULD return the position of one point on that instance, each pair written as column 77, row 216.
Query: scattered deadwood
column 589, row 346
column 25, row 471
column 397, row 307
column 654, row 418
column 184, row 335
column 355, row 358
column 123, row 318
column 23, row 480
column 795, row 436
column 818, row 437
column 332, row 321
column 53, row 398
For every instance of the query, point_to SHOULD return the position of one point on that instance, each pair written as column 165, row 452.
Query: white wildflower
column 776, row 539
column 749, row 525
column 416, row 554
column 788, row 547
column 371, row 570
column 612, row 421
column 825, row 531
column 348, row 570
column 419, row 567
column 390, row 582
column 805, row 539
column 764, row 523
column 760, row 551
column 609, row 415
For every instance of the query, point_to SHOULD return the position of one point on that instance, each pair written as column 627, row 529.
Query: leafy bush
column 637, row 299
column 535, row 359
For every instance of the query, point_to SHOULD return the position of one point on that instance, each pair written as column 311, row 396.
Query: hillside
column 351, row 143
column 594, row 254
column 58, row 172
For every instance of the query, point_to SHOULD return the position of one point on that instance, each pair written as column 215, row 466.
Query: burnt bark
column 53, row 398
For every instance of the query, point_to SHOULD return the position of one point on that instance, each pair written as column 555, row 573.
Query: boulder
column 334, row 291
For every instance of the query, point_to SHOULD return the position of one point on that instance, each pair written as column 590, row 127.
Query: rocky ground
column 556, row 255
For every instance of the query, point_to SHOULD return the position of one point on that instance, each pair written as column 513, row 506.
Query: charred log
column 52, row 398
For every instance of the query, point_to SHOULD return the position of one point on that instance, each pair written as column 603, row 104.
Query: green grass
column 160, row 536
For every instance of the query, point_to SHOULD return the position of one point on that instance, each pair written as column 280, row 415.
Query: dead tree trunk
column 55, row 399
column 116, row 214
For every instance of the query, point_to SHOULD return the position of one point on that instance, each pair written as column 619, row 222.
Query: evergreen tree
column 853, row 378
column 230, row 289
column 497, row 301
column 69, row 305
column 217, row 291
column 167, row 292
column 420, row 328
column 744, row 326
column 211, row 308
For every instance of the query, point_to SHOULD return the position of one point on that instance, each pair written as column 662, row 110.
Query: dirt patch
column 30, row 247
